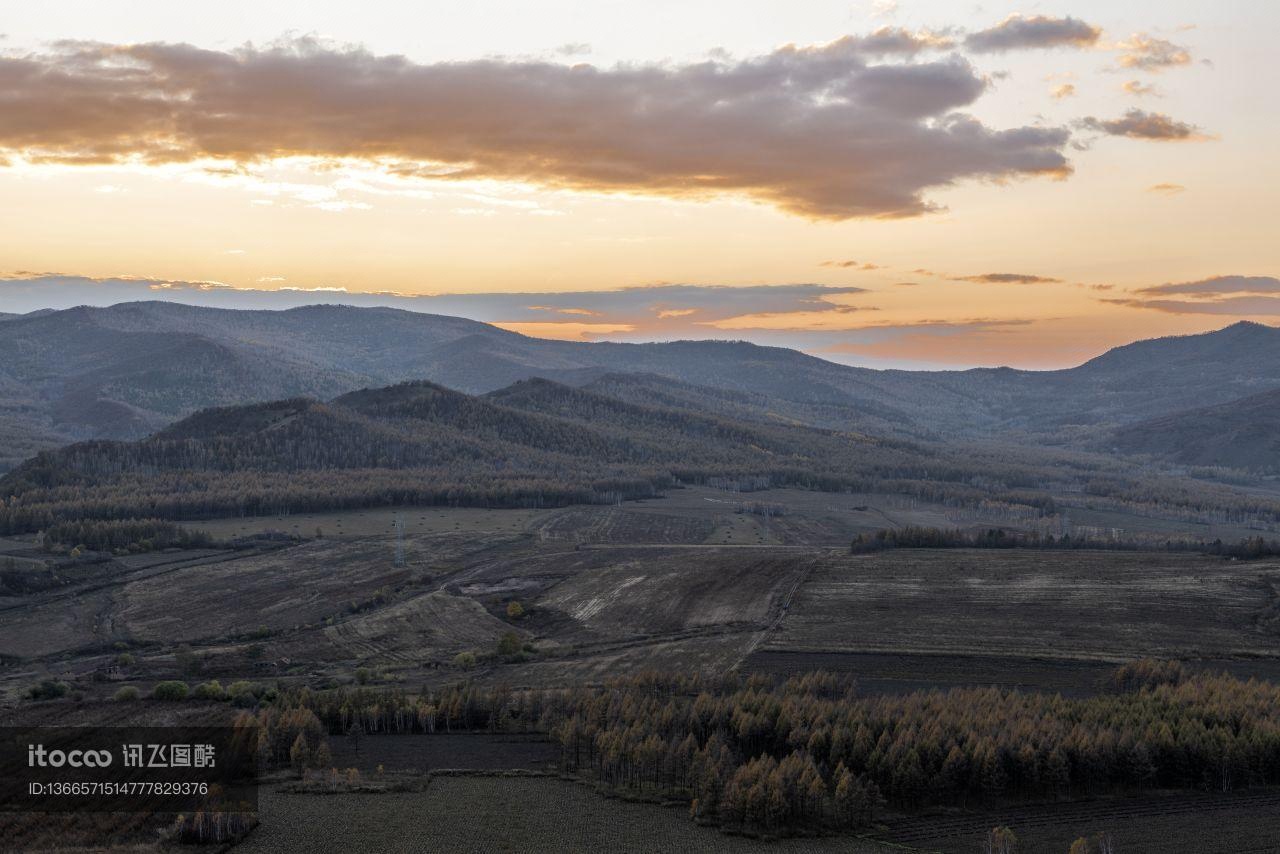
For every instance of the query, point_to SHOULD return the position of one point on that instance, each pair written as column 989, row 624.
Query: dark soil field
column 1051, row 620
column 496, row 814
column 897, row 673
column 1187, row 823
column 468, row 751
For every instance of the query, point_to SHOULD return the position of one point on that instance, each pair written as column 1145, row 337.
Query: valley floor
column 689, row 583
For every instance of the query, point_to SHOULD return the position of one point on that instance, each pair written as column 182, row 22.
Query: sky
column 911, row 184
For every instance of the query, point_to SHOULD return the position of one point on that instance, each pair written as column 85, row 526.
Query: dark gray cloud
column 1006, row 279
column 1241, row 296
column 1235, row 306
column 823, row 132
column 1139, row 124
column 1217, row 286
column 1038, row 31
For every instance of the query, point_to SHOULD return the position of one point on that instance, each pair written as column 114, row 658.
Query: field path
column 780, row 613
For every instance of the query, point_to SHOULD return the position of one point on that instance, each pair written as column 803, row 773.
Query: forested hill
column 131, row 369
column 535, row 443
column 1242, row 434
column 1134, row 382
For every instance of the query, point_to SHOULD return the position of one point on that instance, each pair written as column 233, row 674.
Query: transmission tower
column 399, row 540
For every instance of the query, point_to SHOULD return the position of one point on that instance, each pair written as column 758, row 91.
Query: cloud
column 883, row 8
column 899, row 40
column 564, row 330
column 1166, row 189
column 822, row 131
column 582, row 312
column 855, row 265
column 1139, row 124
column 1044, row 342
column 1064, row 90
column 1236, row 306
column 1139, row 89
column 1232, row 295
column 1039, row 31
column 1006, row 278
column 828, row 317
column 1217, row 286
column 340, row 205
column 669, row 309
column 1147, row 53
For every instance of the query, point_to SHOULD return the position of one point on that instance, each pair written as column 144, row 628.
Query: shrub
column 363, row 675
column 515, row 610
column 211, row 690
column 49, row 689
column 509, row 644
column 243, row 700
column 125, row 659
column 127, row 693
column 172, row 690
column 465, row 660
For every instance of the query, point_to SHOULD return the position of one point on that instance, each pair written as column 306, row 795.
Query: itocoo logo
column 39, row 757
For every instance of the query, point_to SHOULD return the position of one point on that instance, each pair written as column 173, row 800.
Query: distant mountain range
column 131, row 369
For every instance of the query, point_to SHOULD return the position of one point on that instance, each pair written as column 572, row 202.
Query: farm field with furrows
column 1085, row 606
column 691, row 515
column 608, row 590
column 700, row 515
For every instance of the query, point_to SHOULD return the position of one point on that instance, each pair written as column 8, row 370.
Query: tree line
column 770, row 755
column 123, row 535
column 916, row 537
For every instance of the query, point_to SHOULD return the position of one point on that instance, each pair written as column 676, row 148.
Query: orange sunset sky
column 909, row 184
